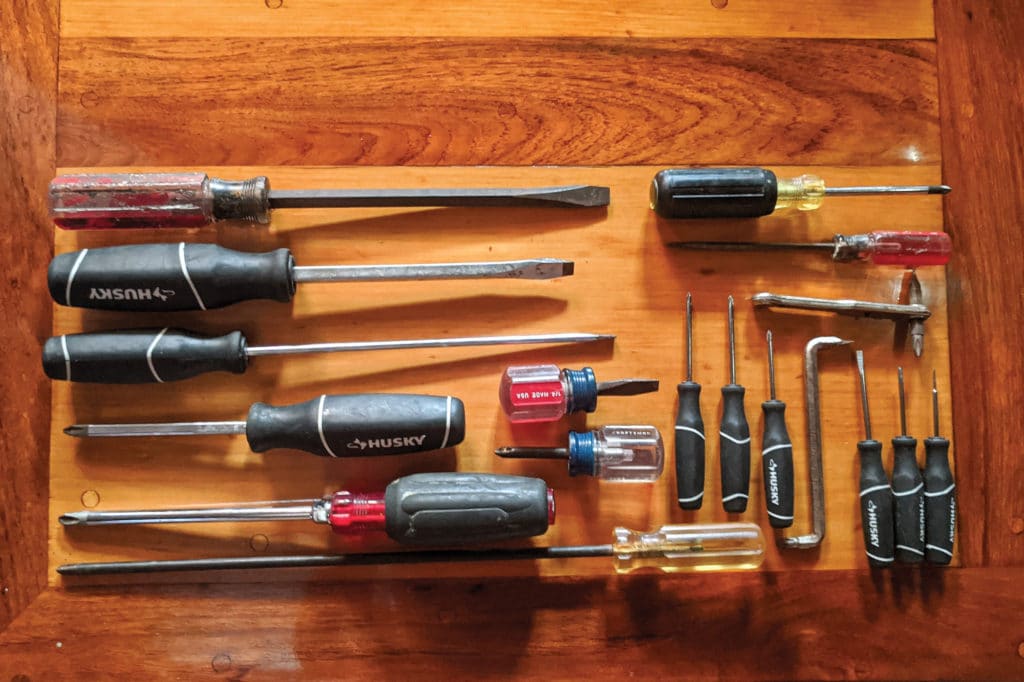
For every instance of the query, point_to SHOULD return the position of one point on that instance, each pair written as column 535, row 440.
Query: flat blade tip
column 568, row 268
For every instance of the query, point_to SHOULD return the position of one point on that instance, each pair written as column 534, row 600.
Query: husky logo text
column 384, row 443
column 132, row 294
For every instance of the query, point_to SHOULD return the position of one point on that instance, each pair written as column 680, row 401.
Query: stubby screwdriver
column 907, row 490
column 939, row 493
column 689, row 430
column 421, row 509
column 193, row 199
column 148, row 356
column 906, row 249
column 164, row 277
column 624, row 454
column 751, row 192
column 876, row 501
column 545, row 393
column 776, row 454
column 329, row 426
column 734, row 434
column 671, row 549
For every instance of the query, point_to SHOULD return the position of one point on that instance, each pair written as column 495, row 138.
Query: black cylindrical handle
column 459, row 508
column 734, row 450
column 876, row 514
column 164, row 277
column 689, row 434
column 714, row 192
column 777, row 465
column 908, row 499
column 939, row 502
column 141, row 356
column 359, row 425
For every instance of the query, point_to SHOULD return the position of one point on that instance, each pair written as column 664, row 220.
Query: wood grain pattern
column 984, row 154
column 497, row 18
column 28, row 73
column 322, row 101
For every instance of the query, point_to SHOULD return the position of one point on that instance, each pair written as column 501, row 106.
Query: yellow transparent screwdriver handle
column 689, row 547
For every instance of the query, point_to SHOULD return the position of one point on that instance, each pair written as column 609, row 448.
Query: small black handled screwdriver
column 907, row 490
column 734, row 434
column 689, row 431
column 776, row 454
column 939, row 493
column 876, row 500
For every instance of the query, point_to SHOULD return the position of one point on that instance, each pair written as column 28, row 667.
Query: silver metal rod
column 167, row 429
column 532, row 453
column 903, row 403
column 732, row 341
column 864, row 394
column 565, row 196
column 887, row 189
column 891, row 311
column 191, row 515
column 689, row 336
column 536, row 268
column 935, row 404
column 347, row 346
column 771, row 366
column 753, row 246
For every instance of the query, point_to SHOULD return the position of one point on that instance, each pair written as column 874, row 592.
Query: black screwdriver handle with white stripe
column 876, row 505
column 908, row 496
column 939, row 502
column 689, row 442
column 777, row 464
column 734, row 450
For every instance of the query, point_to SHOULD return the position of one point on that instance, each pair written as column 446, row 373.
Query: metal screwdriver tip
column 73, row 519
column 623, row 387
column 939, row 189
column 77, row 430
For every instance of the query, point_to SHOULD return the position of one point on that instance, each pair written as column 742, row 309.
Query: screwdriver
column 939, row 492
column 421, row 509
column 734, row 435
column 545, row 393
column 163, row 277
column 671, row 549
column 193, row 199
column 623, row 454
column 146, row 356
column 751, row 192
column 329, row 426
column 876, row 500
column 907, row 490
column 689, row 430
column 776, row 454
column 906, row 249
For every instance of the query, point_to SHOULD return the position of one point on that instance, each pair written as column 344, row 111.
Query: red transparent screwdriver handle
column 910, row 249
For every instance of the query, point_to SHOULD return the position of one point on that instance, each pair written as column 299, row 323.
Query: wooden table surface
column 318, row 93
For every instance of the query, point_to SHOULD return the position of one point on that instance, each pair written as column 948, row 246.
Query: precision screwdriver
column 193, row 199
column 751, row 192
column 906, row 249
column 624, row 454
column 671, row 549
column 545, row 393
column 163, row 277
column 876, row 500
column 329, row 426
column 689, row 431
column 421, row 509
column 146, row 356
column 776, row 454
column 939, row 492
column 907, row 490
column 734, row 435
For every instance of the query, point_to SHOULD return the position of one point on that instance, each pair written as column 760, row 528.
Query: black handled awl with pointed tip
column 939, row 493
column 776, row 454
column 876, row 501
column 907, row 490
column 689, row 431
column 734, row 434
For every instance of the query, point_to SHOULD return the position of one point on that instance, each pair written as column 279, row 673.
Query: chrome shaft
column 537, row 268
column 347, row 346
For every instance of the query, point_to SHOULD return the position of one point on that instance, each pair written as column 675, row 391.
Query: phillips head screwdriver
column 545, row 393
column 734, row 434
column 907, row 490
column 939, row 492
column 776, row 453
column 876, row 499
column 689, row 430
column 623, row 454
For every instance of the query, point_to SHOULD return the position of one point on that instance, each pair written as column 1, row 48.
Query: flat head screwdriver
column 671, row 549
column 734, row 434
column 776, row 453
column 939, row 492
column 876, row 500
column 623, row 454
column 689, row 431
column 906, row 249
column 193, row 199
column 165, row 277
column 907, row 490
column 546, row 393
column 147, row 356
column 421, row 509
column 356, row 425
column 751, row 192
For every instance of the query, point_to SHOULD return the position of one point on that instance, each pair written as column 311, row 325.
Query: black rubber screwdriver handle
column 908, row 498
column 461, row 508
column 714, row 192
column 777, row 465
column 939, row 502
column 141, row 356
column 359, row 425
column 876, row 505
column 734, row 450
column 164, row 277
column 689, row 433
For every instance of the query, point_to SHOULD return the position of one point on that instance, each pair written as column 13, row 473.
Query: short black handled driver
column 876, row 501
column 939, row 493
column 734, row 434
column 776, row 454
column 689, row 430
column 907, row 490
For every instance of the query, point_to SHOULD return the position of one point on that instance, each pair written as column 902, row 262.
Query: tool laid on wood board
column 147, row 356
column 330, row 426
column 193, row 199
column 876, row 499
column 165, row 277
column 545, row 393
column 751, row 192
column 776, row 453
column 907, row 490
column 623, row 454
column 689, row 430
column 670, row 549
column 734, row 434
column 420, row 509
column 939, row 492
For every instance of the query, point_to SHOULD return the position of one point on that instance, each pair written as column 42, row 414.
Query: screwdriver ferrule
column 582, row 453
column 580, row 386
